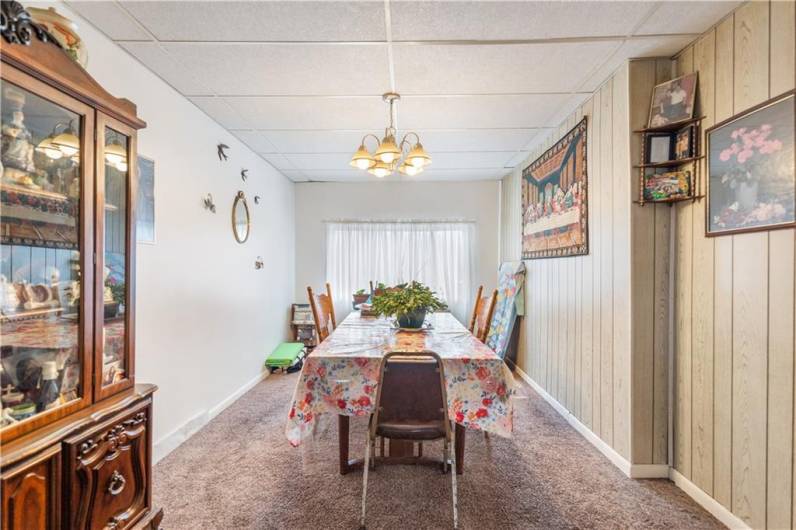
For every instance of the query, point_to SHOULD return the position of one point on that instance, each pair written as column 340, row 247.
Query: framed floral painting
column 751, row 169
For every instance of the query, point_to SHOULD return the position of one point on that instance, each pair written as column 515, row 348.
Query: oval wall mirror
column 240, row 218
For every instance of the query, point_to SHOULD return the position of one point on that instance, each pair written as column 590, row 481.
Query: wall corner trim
column 175, row 438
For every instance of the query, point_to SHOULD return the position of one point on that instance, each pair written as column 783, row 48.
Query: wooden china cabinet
column 76, row 429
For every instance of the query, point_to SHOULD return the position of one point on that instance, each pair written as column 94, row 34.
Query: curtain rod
column 397, row 221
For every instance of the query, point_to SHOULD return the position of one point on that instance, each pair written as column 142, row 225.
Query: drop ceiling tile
column 461, row 174
column 287, row 141
column 221, row 111
column 340, row 175
column 262, row 21
column 177, row 74
column 281, row 69
column 111, row 19
column 470, row 160
column 280, row 162
column 563, row 113
column 476, row 139
column 310, row 112
column 256, row 141
column 637, row 47
column 313, row 141
column 691, row 17
column 479, row 112
column 513, row 20
column 496, row 69
column 315, row 162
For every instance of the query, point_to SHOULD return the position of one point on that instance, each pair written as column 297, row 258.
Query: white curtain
column 439, row 254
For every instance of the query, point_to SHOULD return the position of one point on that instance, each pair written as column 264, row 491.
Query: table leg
column 342, row 441
column 460, row 434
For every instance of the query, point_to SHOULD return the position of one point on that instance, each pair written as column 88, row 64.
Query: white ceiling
column 481, row 81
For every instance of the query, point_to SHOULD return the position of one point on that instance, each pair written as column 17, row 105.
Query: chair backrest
column 322, row 312
column 411, row 389
column 483, row 310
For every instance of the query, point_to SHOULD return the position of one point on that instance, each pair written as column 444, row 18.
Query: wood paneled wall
column 576, row 336
column 597, row 334
column 734, row 297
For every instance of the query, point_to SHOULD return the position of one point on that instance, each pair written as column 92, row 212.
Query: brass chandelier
column 409, row 158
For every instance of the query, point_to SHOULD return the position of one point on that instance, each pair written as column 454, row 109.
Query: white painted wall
column 205, row 317
column 317, row 202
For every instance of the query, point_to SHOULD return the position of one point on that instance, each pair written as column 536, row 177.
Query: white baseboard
column 175, row 438
column 618, row 460
column 707, row 502
column 710, row 504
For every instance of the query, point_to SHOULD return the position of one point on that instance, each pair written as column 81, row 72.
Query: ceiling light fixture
column 389, row 155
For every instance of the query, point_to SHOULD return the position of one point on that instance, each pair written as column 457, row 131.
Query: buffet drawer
column 31, row 492
column 107, row 472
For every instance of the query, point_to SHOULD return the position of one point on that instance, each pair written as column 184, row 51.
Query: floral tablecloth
column 341, row 375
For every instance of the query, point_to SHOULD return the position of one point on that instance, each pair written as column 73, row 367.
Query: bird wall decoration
column 221, row 154
column 256, row 199
column 208, row 203
column 244, row 174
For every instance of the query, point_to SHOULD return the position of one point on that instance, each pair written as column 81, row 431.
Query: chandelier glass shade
column 408, row 157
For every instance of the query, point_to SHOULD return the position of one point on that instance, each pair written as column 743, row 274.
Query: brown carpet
column 240, row 472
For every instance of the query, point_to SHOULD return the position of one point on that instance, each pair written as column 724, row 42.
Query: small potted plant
column 360, row 297
column 379, row 289
column 408, row 303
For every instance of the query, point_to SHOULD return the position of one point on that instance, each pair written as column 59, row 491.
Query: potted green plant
column 360, row 297
column 408, row 303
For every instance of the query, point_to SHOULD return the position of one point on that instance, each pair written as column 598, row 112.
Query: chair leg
column 373, row 453
column 453, row 481
column 365, row 479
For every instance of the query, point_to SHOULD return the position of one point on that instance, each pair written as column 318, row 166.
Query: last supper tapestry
column 554, row 200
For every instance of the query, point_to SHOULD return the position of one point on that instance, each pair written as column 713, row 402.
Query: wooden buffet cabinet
column 76, row 431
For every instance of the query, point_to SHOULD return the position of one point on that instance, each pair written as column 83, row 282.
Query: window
column 439, row 254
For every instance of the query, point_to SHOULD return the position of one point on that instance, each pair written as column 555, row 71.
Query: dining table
column 340, row 377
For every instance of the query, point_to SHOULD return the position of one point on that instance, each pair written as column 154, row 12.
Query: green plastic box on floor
column 284, row 355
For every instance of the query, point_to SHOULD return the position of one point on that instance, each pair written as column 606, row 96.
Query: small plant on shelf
column 408, row 303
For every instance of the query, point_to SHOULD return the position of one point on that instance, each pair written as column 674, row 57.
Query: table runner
column 340, row 376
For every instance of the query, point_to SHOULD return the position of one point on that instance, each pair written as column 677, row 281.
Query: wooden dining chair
column 322, row 312
column 411, row 404
column 482, row 314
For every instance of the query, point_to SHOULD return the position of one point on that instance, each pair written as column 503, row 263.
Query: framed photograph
column 751, row 183
column 659, row 147
column 145, row 207
column 554, row 200
column 663, row 185
column 673, row 101
column 684, row 143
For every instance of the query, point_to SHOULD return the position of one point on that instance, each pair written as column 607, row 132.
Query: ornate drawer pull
column 116, row 483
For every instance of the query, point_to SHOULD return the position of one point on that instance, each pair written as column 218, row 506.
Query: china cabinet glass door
column 114, row 247
column 46, row 291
